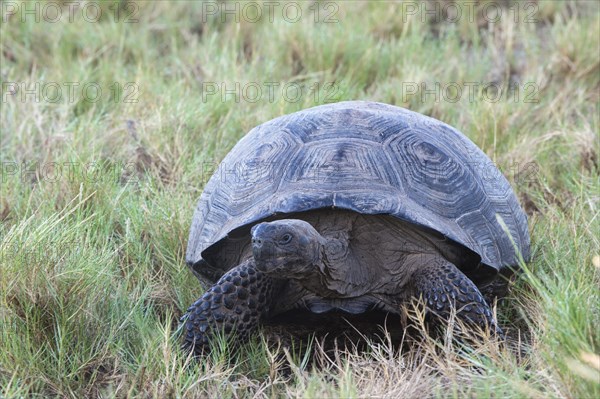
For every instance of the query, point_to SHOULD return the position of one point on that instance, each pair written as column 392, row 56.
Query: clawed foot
column 236, row 302
column 444, row 289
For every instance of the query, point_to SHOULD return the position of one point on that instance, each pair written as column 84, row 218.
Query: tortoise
column 351, row 207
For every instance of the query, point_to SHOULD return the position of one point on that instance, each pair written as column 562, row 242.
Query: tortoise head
column 287, row 248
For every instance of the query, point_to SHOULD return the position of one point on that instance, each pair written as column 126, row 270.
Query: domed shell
column 367, row 157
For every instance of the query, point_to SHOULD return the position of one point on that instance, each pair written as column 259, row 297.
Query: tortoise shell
column 370, row 158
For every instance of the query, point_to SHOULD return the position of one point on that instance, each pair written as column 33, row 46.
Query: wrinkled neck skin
column 319, row 278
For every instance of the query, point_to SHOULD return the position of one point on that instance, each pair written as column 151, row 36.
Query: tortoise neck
column 333, row 252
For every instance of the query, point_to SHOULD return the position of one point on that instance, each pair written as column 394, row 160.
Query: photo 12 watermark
column 69, row 92
column 269, row 92
column 270, row 11
column 69, row 11
column 43, row 251
column 327, row 12
column 329, row 172
column 55, row 172
column 454, row 92
column 470, row 11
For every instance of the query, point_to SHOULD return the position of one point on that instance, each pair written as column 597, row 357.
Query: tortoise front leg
column 235, row 304
column 443, row 287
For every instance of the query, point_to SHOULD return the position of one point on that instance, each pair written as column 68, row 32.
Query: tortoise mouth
column 270, row 266
column 262, row 249
column 266, row 262
column 267, row 258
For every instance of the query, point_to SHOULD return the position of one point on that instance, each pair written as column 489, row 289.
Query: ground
column 114, row 115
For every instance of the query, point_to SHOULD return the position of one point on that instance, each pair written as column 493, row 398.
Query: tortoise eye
column 286, row 239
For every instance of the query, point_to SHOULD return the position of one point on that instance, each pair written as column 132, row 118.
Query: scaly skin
column 442, row 286
column 293, row 249
column 239, row 300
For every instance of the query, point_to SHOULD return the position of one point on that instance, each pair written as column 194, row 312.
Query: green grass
column 97, row 197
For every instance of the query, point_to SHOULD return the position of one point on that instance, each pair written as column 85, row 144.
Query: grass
column 98, row 194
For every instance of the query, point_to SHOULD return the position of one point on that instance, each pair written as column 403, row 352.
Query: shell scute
column 367, row 157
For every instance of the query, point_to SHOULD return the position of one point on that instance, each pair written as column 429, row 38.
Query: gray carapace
column 352, row 206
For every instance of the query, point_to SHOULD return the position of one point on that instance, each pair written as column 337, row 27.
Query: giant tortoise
column 351, row 207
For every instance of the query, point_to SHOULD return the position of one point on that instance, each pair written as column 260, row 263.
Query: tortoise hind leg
column 235, row 304
column 442, row 286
